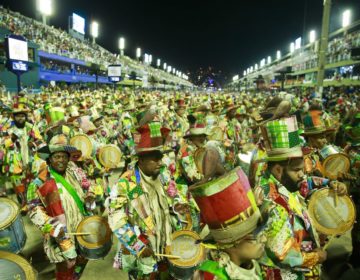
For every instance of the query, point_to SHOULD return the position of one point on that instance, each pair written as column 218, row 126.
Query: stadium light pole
column 158, row 62
column 138, row 53
column 323, row 47
column 122, row 45
column 45, row 9
column 165, row 66
column 94, row 30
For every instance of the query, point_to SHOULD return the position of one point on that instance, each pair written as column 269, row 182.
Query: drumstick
column 167, row 256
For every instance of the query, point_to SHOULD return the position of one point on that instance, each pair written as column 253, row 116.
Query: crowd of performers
column 228, row 185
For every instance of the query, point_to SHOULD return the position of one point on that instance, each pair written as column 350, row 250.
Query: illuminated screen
column 78, row 23
column 18, row 50
column 114, row 71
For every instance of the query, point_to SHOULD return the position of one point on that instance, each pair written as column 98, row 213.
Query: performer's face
column 249, row 248
column 293, row 174
column 198, row 140
column 151, row 164
column 20, row 120
column 180, row 111
column 59, row 162
column 317, row 141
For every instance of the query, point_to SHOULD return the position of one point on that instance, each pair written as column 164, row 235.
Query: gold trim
column 96, row 245
column 10, row 219
column 29, row 271
column 344, row 226
column 191, row 262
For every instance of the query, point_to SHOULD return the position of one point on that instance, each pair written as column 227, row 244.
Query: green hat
column 282, row 139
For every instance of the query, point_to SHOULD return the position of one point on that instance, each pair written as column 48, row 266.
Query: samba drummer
column 293, row 247
column 234, row 244
column 17, row 147
column 56, row 201
column 140, row 208
column 198, row 161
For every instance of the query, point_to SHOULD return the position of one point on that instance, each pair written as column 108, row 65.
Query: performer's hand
column 182, row 208
column 322, row 254
column 70, row 263
column 339, row 187
column 147, row 252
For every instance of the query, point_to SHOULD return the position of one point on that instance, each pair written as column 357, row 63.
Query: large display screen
column 18, row 49
column 114, row 70
column 78, row 23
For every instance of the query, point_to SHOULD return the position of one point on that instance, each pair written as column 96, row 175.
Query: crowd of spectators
column 57, row 41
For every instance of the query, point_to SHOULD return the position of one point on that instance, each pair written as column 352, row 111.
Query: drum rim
column 10, row 221
column 189, row 263
column 88, row 245
column 322, row 229
column 23, row 263
column 84, row 156
column 330, row 157
column 198, row 190
column 101, row 150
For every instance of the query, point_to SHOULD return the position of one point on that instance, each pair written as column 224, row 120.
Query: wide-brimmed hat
column 281, row 138
column 197, row 125
column 20, row 107
column 150, row 137
column 313, row 123
column 58, row 143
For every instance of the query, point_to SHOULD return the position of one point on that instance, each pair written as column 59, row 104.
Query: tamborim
column 97, row 243
column 13, row 266
column 110, row 156
column 12, row 231
column 83, row 143
column 333, row 161
column 184, row 245
column 330, row 217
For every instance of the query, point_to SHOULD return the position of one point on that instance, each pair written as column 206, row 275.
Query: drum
column 12, row 231
column 330, row 217
column 13, row 266
column 83, row 143
column 110, row 156
column 184, row 245
column 333, row 161
column 216, row 134
column 227, row 218
column 97, row 243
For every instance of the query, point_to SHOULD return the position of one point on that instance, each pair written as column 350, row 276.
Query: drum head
column 183, row 245
column 198, row 158
column 100, row 232
column 216, row 134
column 8, row 212
column 328, row 218
column 15, row 267
column 110, row 156
column 334, row 164
column 83, row 143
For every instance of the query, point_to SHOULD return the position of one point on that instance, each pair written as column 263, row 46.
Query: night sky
column 188, row 34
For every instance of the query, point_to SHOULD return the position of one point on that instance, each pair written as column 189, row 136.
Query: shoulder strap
column 70, row 189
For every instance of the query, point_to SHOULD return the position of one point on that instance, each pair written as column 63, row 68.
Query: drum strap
column 70, row 189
